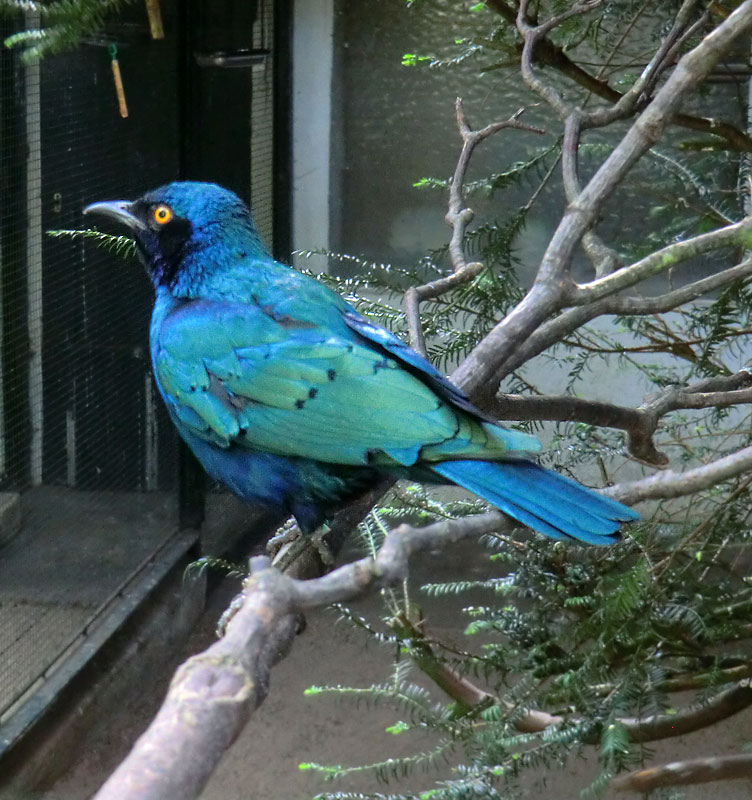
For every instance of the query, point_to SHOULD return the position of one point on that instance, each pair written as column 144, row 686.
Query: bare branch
column 639, row 92
column 458, row 217
column 550, row 54
column 531, row 36
column 684, row 683
column 604, row 259
column 679, row 484
column 553, row 331
column 660, row 261
column 476, row 375
column 679, row 297
column 665, row 726
column 683, row 773
column 215, row 692
column 415, row 294
column 639, row 423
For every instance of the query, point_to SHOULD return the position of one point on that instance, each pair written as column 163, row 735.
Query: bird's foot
column 288, row 533
column 229, row 613
column 290, row 543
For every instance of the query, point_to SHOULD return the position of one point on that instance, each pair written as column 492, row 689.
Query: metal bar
column 13, row 241
column 282, row 186
column 34, row 255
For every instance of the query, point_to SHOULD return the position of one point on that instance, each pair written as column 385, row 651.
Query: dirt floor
column 291, row 728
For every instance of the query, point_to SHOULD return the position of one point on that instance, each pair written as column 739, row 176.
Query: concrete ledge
column 132, row 641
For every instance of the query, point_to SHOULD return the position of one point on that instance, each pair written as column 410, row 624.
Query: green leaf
column 397, row 728
column 413, row 59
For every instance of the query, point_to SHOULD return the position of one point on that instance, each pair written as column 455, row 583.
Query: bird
column 297, row 402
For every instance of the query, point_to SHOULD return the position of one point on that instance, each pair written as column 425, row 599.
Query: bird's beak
column 119, row 210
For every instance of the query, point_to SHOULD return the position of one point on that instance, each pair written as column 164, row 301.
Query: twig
column 458, row 217
column 683, row 773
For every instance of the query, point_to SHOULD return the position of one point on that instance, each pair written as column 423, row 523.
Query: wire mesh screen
column 87, row 456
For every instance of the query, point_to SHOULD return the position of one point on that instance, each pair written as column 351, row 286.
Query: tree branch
column 558, row 328
column 639, row 423
column 665, row 726
column 684, row 773
column 458, row 217
column 478, row 374
column 679, row 484
column 661, row 260
column 549, row 54
column 214, row 693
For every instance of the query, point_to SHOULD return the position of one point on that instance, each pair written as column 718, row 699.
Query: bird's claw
column 287, row 534
column 229, row 613
column 290, row 543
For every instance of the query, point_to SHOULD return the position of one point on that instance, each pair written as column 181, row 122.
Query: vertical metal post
column 282, row 157
column 34, row 256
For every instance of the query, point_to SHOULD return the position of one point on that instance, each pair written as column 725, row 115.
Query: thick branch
column 684, row 773
column 214, row 693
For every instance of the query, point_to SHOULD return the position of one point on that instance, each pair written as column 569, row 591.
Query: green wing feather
column 238, row 374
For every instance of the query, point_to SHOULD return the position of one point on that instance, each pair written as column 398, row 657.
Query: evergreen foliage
column 57, row 25
column 597, row 640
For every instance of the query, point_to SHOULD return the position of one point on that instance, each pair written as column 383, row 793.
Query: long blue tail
column 541, row 499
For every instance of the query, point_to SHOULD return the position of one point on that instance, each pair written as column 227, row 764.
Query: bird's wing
column 233, row 373
column 412, row 361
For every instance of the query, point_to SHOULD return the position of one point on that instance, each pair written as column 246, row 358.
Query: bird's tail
column 541, row 499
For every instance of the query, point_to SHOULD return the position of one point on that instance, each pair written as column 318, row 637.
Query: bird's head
column 187, row 232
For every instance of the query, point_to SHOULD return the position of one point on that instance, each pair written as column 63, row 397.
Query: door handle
column 233, row 59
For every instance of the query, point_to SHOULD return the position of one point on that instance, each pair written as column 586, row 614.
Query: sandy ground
column 291, row 728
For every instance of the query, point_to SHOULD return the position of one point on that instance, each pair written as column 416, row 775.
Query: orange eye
column 162, row 214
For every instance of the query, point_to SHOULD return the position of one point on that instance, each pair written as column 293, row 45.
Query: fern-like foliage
column 63, row 24
column 123, row 246
column 593, row 638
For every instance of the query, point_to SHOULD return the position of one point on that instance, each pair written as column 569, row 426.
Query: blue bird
column 295, row 401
